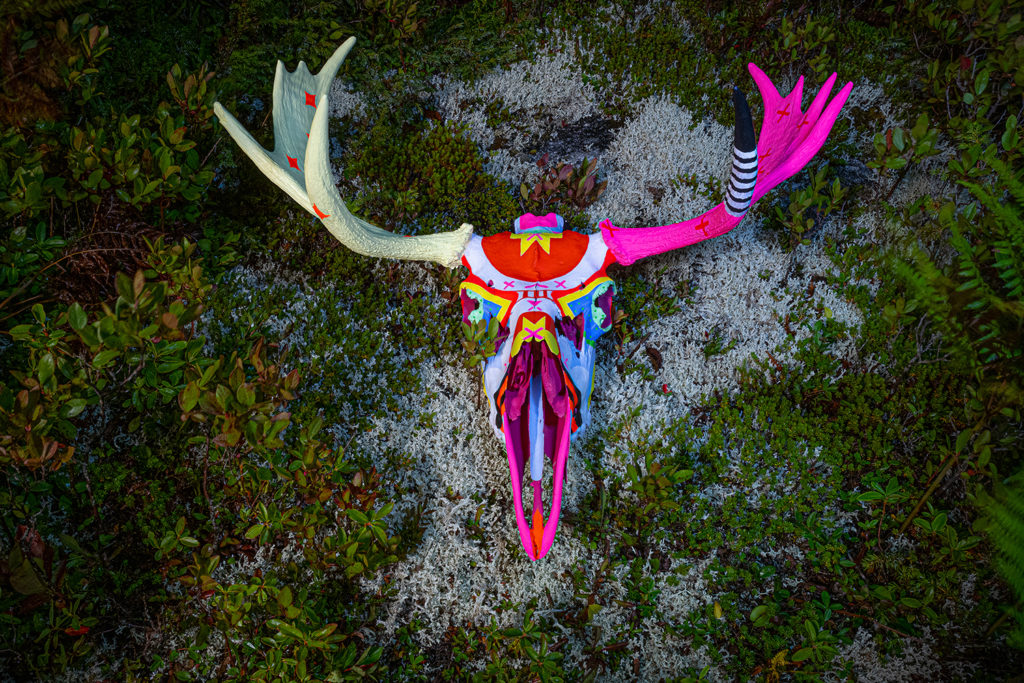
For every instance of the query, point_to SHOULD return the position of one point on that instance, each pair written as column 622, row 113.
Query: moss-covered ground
column 260, row 456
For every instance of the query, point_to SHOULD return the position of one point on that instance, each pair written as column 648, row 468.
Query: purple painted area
column 502, row 336
column 551, row 376
column 604, row 302
column 572, row 329
column 519, row 440
column 469, row 305
column 535, row 359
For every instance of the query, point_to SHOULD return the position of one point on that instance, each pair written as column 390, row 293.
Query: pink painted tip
column 528, row 221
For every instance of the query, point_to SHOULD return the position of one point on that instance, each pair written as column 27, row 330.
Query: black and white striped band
column 742, row 181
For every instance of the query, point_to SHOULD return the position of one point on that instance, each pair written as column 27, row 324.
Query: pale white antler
column 300, row 166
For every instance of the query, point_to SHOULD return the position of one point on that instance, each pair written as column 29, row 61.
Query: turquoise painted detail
column 595, row 323
column 486, row 308
column 595, row 310
column 478, row 313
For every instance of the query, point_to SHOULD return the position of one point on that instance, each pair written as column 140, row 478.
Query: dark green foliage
column 809, row 206
column 432, row 176
column 209, row 435
column 169, row 472
column 1006, row 529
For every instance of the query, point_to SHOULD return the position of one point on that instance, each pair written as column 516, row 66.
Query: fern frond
column 930, row 288
column 1005, row 514
column 1008, row 240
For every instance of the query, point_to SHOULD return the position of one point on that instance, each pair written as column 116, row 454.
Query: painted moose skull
column 546, row 287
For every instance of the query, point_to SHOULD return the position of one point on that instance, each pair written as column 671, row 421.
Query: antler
column 300, row 166
column 788, row 140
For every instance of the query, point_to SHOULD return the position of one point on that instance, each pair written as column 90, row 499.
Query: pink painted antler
column 789, row 139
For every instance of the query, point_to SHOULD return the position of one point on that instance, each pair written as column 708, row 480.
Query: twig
column 876, row 622
column 29, row 280
column 1005, row 615
column 929, row 492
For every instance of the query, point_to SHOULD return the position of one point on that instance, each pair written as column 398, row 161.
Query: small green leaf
column 245, row 395
column 802, row 654
column 77, row 317
column 188, row 397
column 125, row 289
column 357, row 516
column 898, row 140
column 45, row 368
column 74, row 407
column 103, row 358
column 981, row 82
column 962, row 438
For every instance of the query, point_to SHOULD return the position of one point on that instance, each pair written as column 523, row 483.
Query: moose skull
column 545, row 287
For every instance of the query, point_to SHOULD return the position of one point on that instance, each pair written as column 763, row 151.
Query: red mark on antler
column 319, row 213
column 310, row 99
column 703, row 227
column 293, row 162
column 783, row 112
column 764, row 156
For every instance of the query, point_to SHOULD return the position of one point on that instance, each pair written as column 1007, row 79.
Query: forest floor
column 766, row 413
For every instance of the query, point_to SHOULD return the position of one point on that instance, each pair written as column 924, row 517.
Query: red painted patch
column 535, row 265
column 703, row 227
column 319, row 213
column 311, row 100
column 293, row 162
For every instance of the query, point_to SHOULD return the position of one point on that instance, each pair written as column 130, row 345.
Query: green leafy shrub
column 432, row 176
column 145, row 161
column 209, row 474
column 1005, row 526
column 901, row 148
column 809, row 206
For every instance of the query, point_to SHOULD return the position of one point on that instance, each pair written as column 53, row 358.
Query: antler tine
column 302, row 135
column 273, row 170
column 365, row 238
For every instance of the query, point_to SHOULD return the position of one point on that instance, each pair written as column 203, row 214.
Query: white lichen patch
column 745, row 286
column 346, row 102
column 527, row 99
column 658, row 145
column 917, row 662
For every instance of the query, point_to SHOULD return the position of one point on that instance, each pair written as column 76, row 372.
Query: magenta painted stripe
column 556, row 500
column 517, row 491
